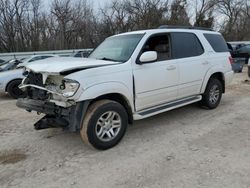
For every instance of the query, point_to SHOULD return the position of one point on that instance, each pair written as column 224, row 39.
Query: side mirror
column 148, row 57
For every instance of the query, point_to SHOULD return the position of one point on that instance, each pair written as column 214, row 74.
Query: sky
column 96, row 3
column 100, row 3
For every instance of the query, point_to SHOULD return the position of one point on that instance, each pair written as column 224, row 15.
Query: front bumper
column 55, row 116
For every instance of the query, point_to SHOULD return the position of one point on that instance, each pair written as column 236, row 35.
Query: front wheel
column 212, row 96
column 104, row 125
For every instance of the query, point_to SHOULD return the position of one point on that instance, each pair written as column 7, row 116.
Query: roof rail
column 183, row 27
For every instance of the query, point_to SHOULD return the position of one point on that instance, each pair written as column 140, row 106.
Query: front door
column 156, row 83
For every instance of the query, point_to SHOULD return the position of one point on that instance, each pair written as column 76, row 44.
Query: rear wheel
column 212, row 96
column 14, row 90
column 104, row 125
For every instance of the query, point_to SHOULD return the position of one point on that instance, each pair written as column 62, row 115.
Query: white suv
column 129, row 77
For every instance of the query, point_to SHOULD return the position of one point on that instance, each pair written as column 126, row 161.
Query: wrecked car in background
column 11, row 75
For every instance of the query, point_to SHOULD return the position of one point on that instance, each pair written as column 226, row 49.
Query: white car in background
column 27, row 60
column 11, row 79
column 9, row 82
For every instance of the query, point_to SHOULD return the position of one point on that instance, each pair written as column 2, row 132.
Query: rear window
column 185, row 45
column 217, row 42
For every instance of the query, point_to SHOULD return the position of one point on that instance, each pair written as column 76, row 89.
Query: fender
column 104, row 88
column 210, row 72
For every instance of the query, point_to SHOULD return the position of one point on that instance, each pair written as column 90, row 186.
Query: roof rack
column 184, row 27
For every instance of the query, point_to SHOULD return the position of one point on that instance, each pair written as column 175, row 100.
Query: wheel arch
column 116, row 91
column 218, row 75
column 121, row 99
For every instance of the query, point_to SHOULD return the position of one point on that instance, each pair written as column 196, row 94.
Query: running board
column 166, row 107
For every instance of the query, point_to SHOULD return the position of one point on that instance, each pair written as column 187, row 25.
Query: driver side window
column 160, row 44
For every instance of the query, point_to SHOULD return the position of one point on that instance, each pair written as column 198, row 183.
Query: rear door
column 193, row 65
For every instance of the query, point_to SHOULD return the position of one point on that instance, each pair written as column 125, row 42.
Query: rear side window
column 185, row 45
column 217, row 42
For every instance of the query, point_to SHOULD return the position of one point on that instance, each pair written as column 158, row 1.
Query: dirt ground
column 187, row 147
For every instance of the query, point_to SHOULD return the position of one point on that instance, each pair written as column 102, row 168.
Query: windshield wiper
column 108, row 59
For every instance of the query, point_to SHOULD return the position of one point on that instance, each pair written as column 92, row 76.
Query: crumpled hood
column 57, row 65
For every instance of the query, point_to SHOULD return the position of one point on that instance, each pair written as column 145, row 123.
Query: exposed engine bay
column 49, row 95
column 53, row 88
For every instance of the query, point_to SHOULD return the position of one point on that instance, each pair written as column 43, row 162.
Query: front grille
column 34, row 93
column 35, row 79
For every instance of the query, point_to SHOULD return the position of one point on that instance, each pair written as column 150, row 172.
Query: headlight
column 69, row 87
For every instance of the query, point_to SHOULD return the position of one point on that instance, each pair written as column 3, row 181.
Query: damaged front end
column 52, row 95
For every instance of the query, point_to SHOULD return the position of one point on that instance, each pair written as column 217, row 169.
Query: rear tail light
column 230, row 60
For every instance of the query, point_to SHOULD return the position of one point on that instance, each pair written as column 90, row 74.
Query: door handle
column 171, row 67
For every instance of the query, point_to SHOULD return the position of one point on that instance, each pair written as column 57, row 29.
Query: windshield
column 3, row 66
column 117, row 48
column 4, row 63
column 7, row 64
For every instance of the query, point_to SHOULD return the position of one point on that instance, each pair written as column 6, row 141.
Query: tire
column 213, row 93
column 99, row 120
column 14, row 91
